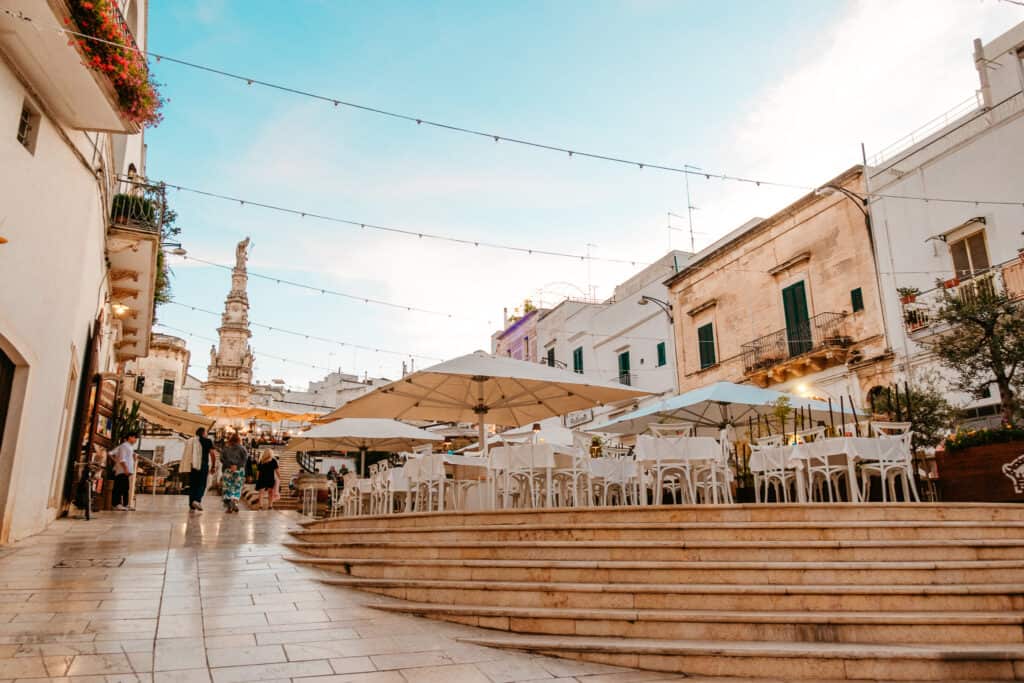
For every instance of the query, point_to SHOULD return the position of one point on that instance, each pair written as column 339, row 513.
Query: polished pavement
column 167, row 596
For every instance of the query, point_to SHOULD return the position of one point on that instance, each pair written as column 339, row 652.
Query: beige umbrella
column 485, row 389
column 166, row 416
column 363, row 434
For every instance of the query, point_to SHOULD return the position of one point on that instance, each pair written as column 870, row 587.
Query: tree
column 985, row 343
column 931, row 415
column 169, row 231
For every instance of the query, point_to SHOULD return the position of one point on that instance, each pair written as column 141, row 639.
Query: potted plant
column 951, row 283
column 983, row 465
column 908, row 295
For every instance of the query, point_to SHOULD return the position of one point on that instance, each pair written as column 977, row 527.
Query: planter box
column 984, row 474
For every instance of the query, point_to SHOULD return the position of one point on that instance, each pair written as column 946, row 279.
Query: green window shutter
column 798, row 327
column 662, row 357
column 706, row 345
column 577, row 359
column 624, row 377
column 857, row 300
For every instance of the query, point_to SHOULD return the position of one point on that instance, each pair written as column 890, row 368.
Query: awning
column 166, row 416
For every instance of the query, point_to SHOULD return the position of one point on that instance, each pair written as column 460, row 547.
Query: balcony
column 819, row 343
column 80, row 97
column 624, row 378
column 133, row 243
column 921, row 311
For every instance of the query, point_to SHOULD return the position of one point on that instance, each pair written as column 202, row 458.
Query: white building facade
column 78, row 268
column 926, row 248
column 627, row 338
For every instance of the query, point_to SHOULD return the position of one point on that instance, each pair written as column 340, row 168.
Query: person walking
column 267, row 481
column 198, row 459
column 232, row 463
column 124, row 464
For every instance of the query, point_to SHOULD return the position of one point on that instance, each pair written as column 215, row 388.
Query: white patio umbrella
column 715, row 406
column 363, row 434
column 486, row 389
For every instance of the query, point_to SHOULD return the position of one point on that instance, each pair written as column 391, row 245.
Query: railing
column 823, row 330
column 921, row 311
column 308, row 462
column 126, row 30
column 972, row 103
column 138, row 205
column 626, row 378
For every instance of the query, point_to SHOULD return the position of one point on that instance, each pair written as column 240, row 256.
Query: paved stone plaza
column 209, row 597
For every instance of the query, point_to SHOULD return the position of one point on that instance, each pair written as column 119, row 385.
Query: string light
column 344, row 295
column 686, row 169
column 306, row 335
column 258, row 353
column 403, row 231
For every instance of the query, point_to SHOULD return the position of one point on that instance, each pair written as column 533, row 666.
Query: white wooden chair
column 774, row 472
column 895, row 463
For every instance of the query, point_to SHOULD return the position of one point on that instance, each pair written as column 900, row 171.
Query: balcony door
column 624, row 368
column 798, row 323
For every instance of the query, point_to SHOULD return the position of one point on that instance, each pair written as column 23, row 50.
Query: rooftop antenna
column 590, row 286
column 689, row 204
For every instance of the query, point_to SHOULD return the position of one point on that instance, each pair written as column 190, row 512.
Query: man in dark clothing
column 200, row 473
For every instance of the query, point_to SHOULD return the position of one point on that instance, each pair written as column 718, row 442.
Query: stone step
column 802, row 661
column 683, row 513
column 757, row 597
column 742, row 625
column 690, row 531
column 609, row 572
column 675, row 551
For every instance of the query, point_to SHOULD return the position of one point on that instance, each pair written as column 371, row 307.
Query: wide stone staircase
column 288, row 466
column 817, row 592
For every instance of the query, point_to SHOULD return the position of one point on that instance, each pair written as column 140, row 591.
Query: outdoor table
column 680, row 451
column 791, row 455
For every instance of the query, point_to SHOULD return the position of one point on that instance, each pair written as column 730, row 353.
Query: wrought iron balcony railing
column 626, row 378
column 921, row 311
column 824, row 330
column 138, row 205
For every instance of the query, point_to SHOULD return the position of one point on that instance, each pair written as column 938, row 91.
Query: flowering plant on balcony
column 983, row 437
column 114, row 54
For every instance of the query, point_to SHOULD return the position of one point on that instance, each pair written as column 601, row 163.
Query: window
column 551, row 357
column 526, row 348
column 28, row 127
column 706, row 345
column 168, row 394
column 798, row 326
column 624, row 377
column 140, row 382
column 662, row 356
column 577, row 359
column 857, row 300
column 970, row 256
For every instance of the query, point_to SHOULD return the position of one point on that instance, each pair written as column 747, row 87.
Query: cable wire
column 272, row 328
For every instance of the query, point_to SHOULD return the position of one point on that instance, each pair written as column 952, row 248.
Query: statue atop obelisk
column 229, row 376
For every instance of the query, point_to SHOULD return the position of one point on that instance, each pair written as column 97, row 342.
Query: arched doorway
column 13, row 382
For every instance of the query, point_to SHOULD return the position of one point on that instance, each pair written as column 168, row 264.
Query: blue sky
column 780, row 90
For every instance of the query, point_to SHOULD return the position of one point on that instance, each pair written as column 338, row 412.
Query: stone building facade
column 790, row 302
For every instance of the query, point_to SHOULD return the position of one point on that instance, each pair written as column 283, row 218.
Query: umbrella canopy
column 167, row 416
column 482, row 388
column 714, row 406
column 217, row 410
column 364, row 434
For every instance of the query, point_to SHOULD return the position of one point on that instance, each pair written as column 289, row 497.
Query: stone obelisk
column 229, row 375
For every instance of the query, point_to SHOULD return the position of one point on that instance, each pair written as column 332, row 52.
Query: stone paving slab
column 208, row 598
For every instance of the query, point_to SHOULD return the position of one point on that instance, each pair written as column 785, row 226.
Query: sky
column 782, row 91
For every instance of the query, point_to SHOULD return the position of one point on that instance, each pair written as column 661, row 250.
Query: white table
column 854, row 448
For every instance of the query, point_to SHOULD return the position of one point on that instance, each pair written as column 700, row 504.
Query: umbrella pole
column 831, row 419
column 362, row 462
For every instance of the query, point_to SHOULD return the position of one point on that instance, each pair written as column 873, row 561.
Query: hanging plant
column 114, row 54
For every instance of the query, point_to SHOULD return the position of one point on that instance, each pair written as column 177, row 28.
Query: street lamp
column 663, row 305
column 177, row 250
column 861, row 202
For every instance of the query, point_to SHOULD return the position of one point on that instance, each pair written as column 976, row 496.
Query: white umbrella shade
column 363, row 434
column 353, row 433
column 482, row 388
column 716, row 405
column 555, row 435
